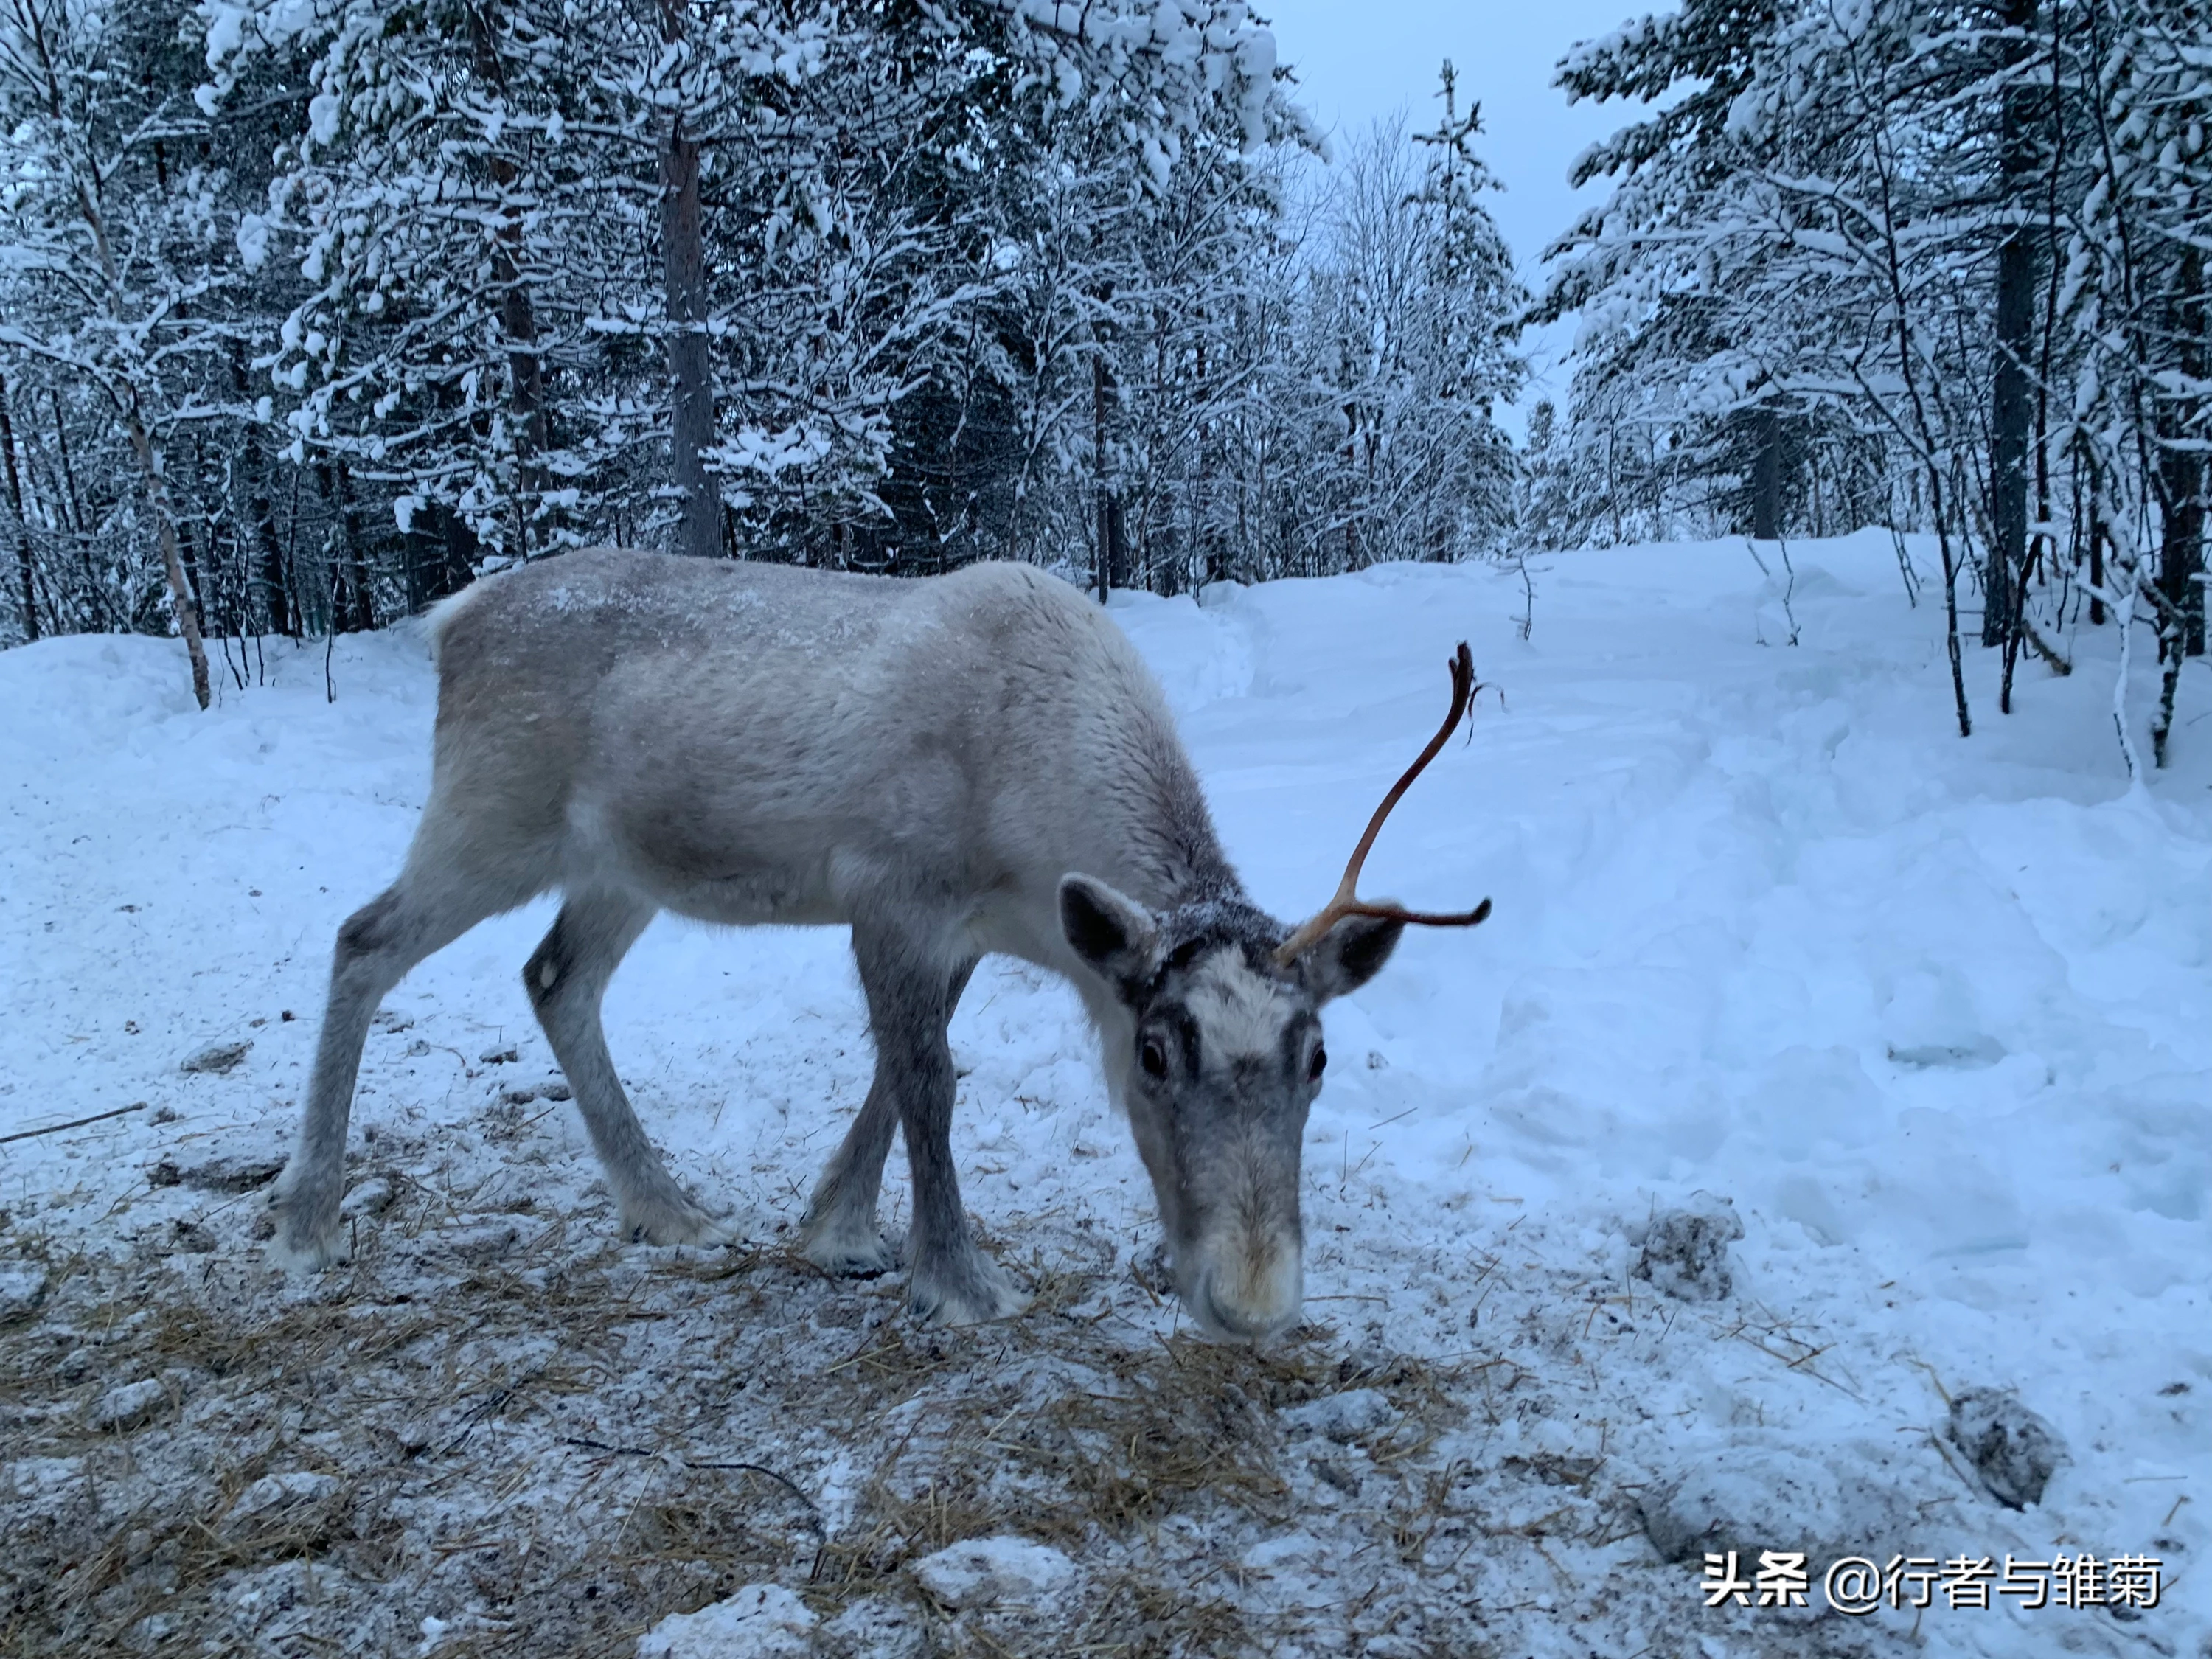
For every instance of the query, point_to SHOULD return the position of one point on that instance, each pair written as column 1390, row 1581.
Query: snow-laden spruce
column 1898, row 263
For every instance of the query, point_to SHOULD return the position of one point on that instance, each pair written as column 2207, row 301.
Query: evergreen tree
column 406, row 290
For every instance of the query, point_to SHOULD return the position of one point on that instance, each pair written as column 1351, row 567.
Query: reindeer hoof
column 848, row 1249
column 299, row 1250
column 870, row 1260
column 308, row 1235
column 972, row 1291
column 678, row 1221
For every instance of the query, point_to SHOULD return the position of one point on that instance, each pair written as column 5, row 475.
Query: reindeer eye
column 1153, row 1058
column 1317, row 1065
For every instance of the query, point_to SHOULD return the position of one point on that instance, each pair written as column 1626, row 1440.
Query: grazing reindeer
column 974, row 763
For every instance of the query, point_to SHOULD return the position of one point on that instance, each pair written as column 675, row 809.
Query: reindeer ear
column 1350, row 954
column 1115, row 936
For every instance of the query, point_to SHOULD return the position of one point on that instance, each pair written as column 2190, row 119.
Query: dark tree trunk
column 2011, row 407
column 276, row 589
column 2096, row 545
column 518, row 318
column 437, row 551
column 1766, row 475
column 690, row 369
column 2181, row 493
column 26, row 566
column 357, row 613
column 457, row 545
column 1351, row 468
column 1109, row 510
column 74, row 518
column 2181, row 546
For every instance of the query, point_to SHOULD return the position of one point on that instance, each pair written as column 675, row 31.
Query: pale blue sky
column 1357, row 60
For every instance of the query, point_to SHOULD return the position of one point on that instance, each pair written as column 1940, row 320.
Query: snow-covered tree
column 409, row 288
column 1937, row 241
column 116, row 266
column 2135, row 294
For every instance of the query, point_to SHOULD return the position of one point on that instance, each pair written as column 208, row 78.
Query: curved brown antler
column 1346, row 902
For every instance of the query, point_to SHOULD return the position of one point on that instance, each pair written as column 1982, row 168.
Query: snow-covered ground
column 1935, row 1015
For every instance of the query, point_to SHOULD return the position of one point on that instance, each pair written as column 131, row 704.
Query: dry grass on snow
column 542, row 1442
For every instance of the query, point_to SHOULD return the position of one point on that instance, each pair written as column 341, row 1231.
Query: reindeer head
column 1222, row 1058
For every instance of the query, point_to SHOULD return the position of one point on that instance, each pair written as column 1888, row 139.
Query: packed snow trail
column 1935, row 1015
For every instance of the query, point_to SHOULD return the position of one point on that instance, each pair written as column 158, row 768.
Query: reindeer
column 970, row 764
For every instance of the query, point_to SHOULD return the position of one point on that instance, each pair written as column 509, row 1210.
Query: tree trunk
column 2010, row 404
column 1950, row 606
column 525, row 368
column 26, row 566
column 1766, row 475
column 457, row 549
column 690, row 368
column 196, row 579
column 364, row 595
column 1351, row 472
column 2181, row 545
column 1109, row 511
column 276, row 590
column 518, row 318
column 173, row 564
column 75, row 519
column 357, row 615
column 2181, row 491
column 2096, row 551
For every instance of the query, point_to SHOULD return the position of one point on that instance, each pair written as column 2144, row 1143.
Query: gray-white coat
column 970, row 764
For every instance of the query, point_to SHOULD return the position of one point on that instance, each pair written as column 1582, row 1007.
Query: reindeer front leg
column 910, row 998
column 839, row 1233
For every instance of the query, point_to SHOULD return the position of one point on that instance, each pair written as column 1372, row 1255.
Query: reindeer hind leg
column 432, row 904
column 567, row 979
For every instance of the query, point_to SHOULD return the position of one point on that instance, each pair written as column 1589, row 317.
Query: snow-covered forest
column 1931, row 266
column 314, row 310
column 1808, row 1160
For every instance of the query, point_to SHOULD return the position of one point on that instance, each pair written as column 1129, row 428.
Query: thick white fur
column 749, row 743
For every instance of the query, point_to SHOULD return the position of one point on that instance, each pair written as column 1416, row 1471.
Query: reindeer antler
column 1346, row 902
